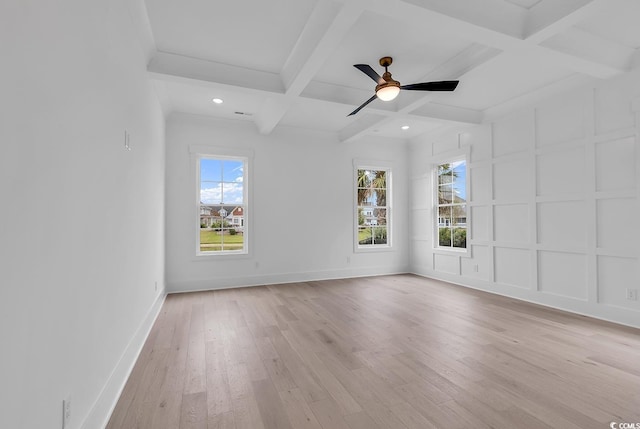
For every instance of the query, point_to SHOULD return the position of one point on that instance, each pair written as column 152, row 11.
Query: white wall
column 81, row 218
column 302, row 206
column 553, row 201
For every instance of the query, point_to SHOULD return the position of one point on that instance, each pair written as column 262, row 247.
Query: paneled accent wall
column 553, row 203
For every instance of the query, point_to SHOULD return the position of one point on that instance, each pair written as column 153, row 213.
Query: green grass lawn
column 363, row 234
column 212, row 241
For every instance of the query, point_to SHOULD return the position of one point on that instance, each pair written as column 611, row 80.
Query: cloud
column 230, row 193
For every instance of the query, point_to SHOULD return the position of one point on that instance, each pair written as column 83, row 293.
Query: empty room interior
column 320, row 214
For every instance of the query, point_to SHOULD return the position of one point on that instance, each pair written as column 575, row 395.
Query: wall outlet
column 156, row 287
column 66, row 413
column 348, row 259
column 257, row 264
column 475, row 268
column 632, row 294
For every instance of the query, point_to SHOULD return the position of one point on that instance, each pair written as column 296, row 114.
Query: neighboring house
column 211, row 213
column 236, row 218
column 459, row 215
column 369, row 218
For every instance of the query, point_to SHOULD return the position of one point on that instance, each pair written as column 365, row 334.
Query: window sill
column 206, row 257
column 453, row 252
column 373, row 249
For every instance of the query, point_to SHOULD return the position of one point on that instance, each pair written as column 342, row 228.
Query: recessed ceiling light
column 405, row 127
column 217, row 100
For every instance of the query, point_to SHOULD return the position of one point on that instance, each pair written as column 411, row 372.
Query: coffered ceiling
column 290, row 62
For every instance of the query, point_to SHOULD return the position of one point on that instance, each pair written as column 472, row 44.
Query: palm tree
column 372, row 182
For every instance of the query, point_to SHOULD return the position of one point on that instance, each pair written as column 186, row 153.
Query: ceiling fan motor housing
column 388, row 80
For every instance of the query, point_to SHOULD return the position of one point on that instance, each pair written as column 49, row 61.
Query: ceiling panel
column 316, row 115
column 253, row 34
column 507, row 76
column 428, row 40
column 527, row 4
column 198, row 100
column 416, row 51
column 618, row 23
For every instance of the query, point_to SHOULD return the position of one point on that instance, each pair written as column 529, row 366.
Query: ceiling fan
column 387, row 88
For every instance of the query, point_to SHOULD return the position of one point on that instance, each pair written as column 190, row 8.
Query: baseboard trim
column 282, row 278
column 102, row 408
column 607, row 313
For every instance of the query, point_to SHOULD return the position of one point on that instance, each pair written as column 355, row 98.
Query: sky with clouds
column 221, row 181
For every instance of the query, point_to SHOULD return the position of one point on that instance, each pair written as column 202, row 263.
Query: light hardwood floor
column 384, row 352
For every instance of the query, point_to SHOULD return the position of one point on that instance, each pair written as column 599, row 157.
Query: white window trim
column 450, row 157
column 246, row 155
column 362, row 164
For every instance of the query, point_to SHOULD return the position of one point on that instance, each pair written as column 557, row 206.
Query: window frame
column 451, row 158
column 222, row 153
column 388, row 168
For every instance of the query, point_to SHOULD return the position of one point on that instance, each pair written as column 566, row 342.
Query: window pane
column 444, row 174
column 460, row 238
column 363, row 179
column 379, row 235
column 444, row 216
column 379, row 197
column 210, row 169
column 380, row 216
column 444, row 237
column 232, row 193
column 232, row 239
column 372, row 211
column 364, row 235
column 210, row 192
column 232, row 171
column 452, row 210
column 222, row 207
column 210, row 241
column 459, row 215
column 445, row 194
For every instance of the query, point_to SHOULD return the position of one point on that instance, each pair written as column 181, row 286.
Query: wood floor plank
column 384, row 352
column 222, row 421
column 328, row 414
column 193, row 414
column 300, row 414
column 270, row 405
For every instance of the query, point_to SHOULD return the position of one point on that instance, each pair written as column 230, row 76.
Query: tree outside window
column 452, row 205
column 372, row 207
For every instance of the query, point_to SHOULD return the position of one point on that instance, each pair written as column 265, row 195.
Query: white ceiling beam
column 323, row 33
column 417, row 12
column 271, row 113
column 165, row 65
column 549, row 18
column 495, row 15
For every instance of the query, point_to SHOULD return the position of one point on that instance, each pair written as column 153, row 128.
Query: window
column 373, row 207
column 452, row 205
column 222, row 205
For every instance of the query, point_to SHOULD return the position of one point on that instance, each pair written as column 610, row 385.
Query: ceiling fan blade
column 366, row 69
column 445, row 85
column 362, row 105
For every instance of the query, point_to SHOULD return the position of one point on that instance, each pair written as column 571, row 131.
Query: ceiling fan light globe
column 388, row 93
